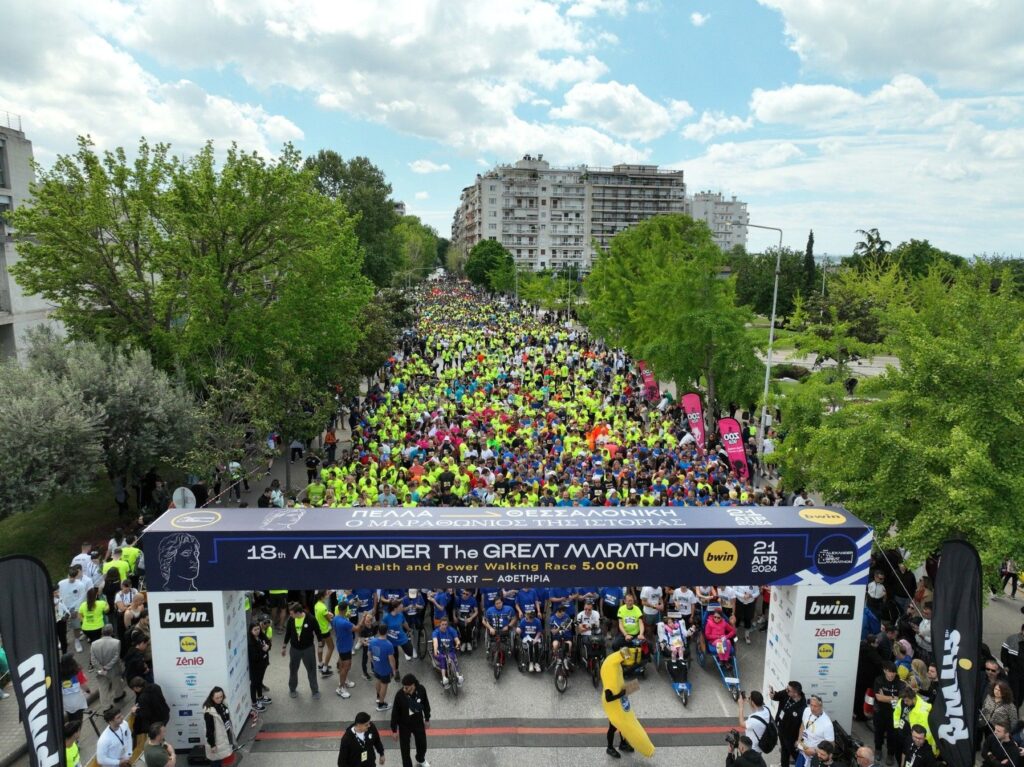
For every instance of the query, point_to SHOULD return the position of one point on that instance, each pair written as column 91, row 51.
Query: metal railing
column 10, row 120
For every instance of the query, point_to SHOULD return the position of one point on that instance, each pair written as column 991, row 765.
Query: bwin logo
column 195, row 615
column 836, row 608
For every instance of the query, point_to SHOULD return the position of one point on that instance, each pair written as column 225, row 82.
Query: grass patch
column 54, row 530
column 783, row 337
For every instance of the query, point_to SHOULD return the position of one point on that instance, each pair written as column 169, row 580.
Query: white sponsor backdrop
column 814, row 638
column 199, row 642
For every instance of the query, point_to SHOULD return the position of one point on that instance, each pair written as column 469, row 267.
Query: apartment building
column 19, row 311
column 725, row 217
column 549, row 218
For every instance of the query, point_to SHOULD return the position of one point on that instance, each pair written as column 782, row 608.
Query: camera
column 733, row 738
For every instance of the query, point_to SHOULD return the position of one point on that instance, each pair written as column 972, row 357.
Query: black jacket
column 789, row 716
column 259, row 652
column 351, row 752
column 302, row 639
column 152, row 708
column 749, row 758
column 405, row 713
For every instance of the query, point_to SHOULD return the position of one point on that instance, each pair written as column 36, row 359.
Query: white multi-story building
column 19, row 311
column 549, row 218
column 726, row 218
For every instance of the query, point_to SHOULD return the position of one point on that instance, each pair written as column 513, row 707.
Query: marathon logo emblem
column 186, row 615
column 835, row 608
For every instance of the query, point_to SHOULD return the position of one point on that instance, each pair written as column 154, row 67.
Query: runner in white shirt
column 727, row 598
column 746, row 599
column 683, row 601
column 72, row 592
column 651, row 599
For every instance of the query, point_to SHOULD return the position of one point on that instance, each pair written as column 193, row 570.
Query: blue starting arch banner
column 380, row 547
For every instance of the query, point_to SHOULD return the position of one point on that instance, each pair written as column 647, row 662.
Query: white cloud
column 427, row 68
column 699, row 19
column 422, row 195
column 968, row 43
column 428, row 166
column 65, row 80
column 622, row 110
column 713, row 124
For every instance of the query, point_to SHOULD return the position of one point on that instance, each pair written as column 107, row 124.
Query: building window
column 492, row 226
column 4, row 181
column 492, row 201
column 492, row 187
column 494, row 214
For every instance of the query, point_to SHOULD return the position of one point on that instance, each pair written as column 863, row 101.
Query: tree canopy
column 489, row 261
column 661, row 293
column 755, row 279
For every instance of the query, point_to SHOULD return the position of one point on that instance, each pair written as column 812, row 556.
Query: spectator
column 150, row 705
column 105, row 657
column 158, row 752
column 299, row 643
column 115, row 745
column 220, row 736
column 815, row 727
column 361, row 744
column 789, row 719
column 747, row 756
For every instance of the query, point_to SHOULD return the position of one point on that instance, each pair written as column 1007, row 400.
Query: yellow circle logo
column 965, row 664
column 822, row 516
column 720, row 557
column 825, row 651
column 193, row 520
column 188, row 644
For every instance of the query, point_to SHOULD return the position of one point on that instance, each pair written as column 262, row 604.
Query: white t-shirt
column 727, row 596
column 652, row 594
column 817, row 728
column 747, row 594
column 593, row 621
column 73, row 592
column 756, row 727
column 876, row 590
column 683, row 601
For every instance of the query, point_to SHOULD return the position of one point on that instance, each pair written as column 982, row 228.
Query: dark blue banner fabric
column 225, row 549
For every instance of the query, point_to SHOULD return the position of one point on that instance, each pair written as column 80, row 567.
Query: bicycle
column 562, row 666
column 497, row 652
column 454, row 686
column 592, row 654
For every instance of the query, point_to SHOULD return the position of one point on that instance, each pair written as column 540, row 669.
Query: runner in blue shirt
column 395, row 622
column 390, row 597
column 365, row 601
column 466, row 613
column 562, row 596
column 382, row 654
column 445, row 641
column 439, row 600
column 531, row 633
column 525, row 597
column 561, row 626
column 343, row 630
column 611, row 600
column 489, row 594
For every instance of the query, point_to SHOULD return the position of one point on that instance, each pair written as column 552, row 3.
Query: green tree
column 943, row 454
column 915, row 257
column 443, row 244
column 419, row 247
column 485, row 257
column 809, row 267
column 51, row 436
column 871, row 249
column 147, row 417
column 755, row 280
column 660, row 292
column 366, row 194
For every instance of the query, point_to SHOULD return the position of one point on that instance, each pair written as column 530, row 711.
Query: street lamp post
column 771, row 338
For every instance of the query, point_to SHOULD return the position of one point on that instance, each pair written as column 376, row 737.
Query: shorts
column 277, row 600
column 344, row 655
column 74, row 621
column 321, row 635
column 610, row 613
column 652, row 619
column 386, row 679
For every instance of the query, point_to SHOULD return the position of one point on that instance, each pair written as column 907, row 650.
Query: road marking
column 435, row 732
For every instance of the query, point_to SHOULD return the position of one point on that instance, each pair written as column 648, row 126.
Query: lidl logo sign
column 720, row 557
column 826, row 650
column 188, row 643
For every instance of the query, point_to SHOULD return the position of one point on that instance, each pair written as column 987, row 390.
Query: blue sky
column 905, row 115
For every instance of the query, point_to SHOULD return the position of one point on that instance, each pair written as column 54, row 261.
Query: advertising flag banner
column 228, row 549
column 732, row 437
column 956, row 640
column 29, row 629
column 695, row 417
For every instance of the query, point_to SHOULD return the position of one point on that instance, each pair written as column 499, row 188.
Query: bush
column 796, row 372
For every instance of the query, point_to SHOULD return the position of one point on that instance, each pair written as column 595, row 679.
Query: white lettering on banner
column 617, row 550
column 731, row 436
column 32, row 673
column 362, row 551
column 517, row 550
column 955, row 729
column 187, row 616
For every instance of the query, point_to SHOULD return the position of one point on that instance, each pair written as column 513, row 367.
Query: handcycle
column 497, row 651
column 452, row 668
column 592, row 654
column 563, row 664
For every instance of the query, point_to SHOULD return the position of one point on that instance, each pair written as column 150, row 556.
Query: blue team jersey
column 561, row 596
column 531, row 626
column 445, row 639
column 362, row 599
column 561, row 626
column 490, row 594
column 442, row 598
column 342, row 633
column 413, row 605
column 381, row 651
column 612, row 596
column 396, row 633
column 391, row 595
column 464, row 606
column 526, row 597
column 499, row 619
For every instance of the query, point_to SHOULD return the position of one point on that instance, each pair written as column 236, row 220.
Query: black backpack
column 770, row 737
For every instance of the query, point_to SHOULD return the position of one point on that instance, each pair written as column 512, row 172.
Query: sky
column 901, row 115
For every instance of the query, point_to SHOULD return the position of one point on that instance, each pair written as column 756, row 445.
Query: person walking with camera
column 789, row 718
column 742, row 753
column 756, row 725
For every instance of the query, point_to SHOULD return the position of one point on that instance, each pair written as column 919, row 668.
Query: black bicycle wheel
column 421, row 642
column 561, row 679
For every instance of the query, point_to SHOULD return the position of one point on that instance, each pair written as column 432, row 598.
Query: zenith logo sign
column 836, row 608
column 189, row 614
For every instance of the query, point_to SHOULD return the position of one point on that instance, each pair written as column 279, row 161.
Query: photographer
column 755, row 724
column 748, row 757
